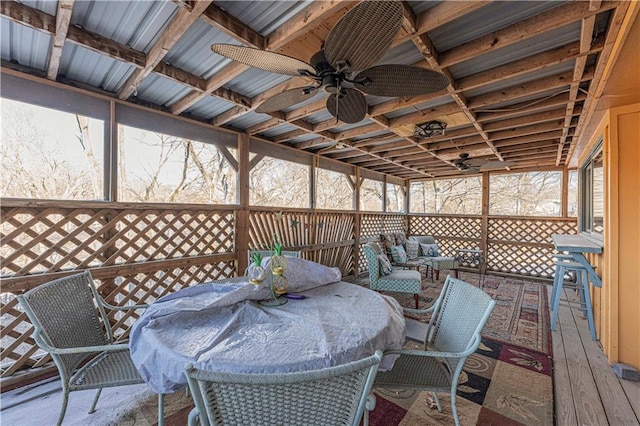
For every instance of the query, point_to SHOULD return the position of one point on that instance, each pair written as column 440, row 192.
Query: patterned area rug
column 521, row 315
column 501, row 384
column 508, row 381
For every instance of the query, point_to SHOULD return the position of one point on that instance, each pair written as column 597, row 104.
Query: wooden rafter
column 180, row 23
column 63, row 19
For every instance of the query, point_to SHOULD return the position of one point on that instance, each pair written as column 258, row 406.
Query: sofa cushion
column 398, row 254
column 412, row 248
column 385, row 264
column 430, row 250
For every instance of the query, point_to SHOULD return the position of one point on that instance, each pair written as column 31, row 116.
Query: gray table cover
column 222, row 327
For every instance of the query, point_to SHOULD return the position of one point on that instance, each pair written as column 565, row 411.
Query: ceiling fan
column 345, row 67
column 466, row 164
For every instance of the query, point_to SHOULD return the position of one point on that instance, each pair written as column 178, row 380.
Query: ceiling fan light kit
column 430, row 129
column 345, row 68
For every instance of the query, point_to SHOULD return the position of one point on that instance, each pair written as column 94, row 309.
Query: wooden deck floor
column 587, row 392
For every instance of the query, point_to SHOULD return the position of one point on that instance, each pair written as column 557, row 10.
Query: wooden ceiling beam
column 33, row 18
column 525, row 66
column 527, row 130
column 43, row 22
column 603, row 68
column 289, row 135
column 523, row 30
column 179, row 24
column 310, row 17
column 438, row 16
column 524, row 108
column 427, row 49
column 586, row 38
column 63, row 19
column 233, row 27
column 534, row 118
column 559, row 81
column 306, row 110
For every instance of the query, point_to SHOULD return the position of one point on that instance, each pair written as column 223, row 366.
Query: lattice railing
column 523, row 245
column 324, row 237
column 451, row 232
column 517, row 245
column 374, row 224
column 135, row 255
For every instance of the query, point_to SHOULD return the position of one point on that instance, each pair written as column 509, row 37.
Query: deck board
column 582, row 373
column 563, row 396
column 588, row 404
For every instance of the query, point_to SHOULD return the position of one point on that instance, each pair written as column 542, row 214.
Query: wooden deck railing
column 140, row 252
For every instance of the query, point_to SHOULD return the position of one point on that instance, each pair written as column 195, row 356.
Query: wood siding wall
column 616, row 304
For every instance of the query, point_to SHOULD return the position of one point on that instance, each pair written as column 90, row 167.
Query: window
column 452, row 196
column 371, row 195
column 395, row 198
column 592, row 193
column 279, row 183
column 572, row 194
column 50, row 154
column 334, row 190
column 525, row 194
column 156, row 167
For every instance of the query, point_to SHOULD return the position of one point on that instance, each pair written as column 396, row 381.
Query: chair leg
column 587, row 301
column 454, row 407
column 95, row 402
column 437, row 271
column 455, row 273
column 63, row 409
column 416, row 297
column 437, row 400
column 555, row 303
column 160, row 409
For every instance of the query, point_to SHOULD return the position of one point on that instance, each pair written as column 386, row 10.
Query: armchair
column 453, row 333
column 436, row 263
column 401, row 281
column 331, row 396
column 77, row 334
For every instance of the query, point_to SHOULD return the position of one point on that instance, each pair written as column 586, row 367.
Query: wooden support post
column 356, row 223
column 565, row 193
column 242, row 215
column 484, row 230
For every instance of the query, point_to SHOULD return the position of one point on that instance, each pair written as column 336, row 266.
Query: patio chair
column 436, row 263
column 71, row 324
column 453, row 333
column 400, row 280
column 330, row 396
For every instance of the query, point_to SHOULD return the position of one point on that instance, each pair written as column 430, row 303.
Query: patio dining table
column 223, row 327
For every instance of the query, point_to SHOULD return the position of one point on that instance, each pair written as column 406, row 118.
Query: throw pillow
column 386, row 241
column 430, row 250
column 412, row 248
column 385, row 265
column 398, row 254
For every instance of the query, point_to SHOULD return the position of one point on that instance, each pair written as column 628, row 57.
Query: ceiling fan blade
column 496, row 165
column 264, row 60
column 286, row 99
column 470, row 170
column 350, row 107
column 364, row 34
column 475, row 162
column 401, row 80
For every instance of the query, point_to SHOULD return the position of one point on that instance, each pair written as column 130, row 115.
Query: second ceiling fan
column 345, row 67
